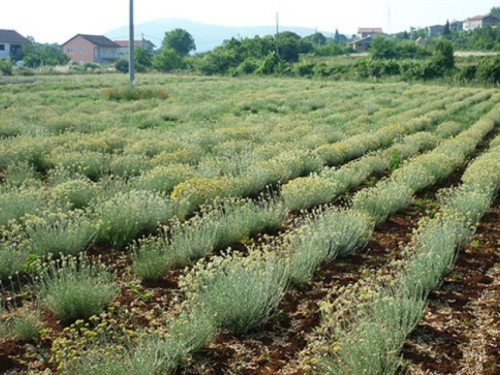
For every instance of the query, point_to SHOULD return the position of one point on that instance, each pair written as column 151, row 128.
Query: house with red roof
column 11, row 43
column 84, row 48
column 364, row 32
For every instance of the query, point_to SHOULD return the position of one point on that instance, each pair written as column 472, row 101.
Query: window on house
column 69, row 50
column 2, row 47
column 80, row 50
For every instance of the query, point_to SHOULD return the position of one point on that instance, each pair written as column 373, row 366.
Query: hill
column 206, row 36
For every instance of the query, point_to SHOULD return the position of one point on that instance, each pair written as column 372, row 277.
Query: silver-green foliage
column 16, row 203
column 366, row 329
column 159, row 355
column 126, row 216
column 241, row 218
column 153, row 257
column 382, row 200
column 216, row 227
column 435, row 247
column 59, row 232
column 323, row 237
column 12, row 260
column 75, row 288
column 239, row 292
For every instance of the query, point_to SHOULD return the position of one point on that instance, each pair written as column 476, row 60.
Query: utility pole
column 131, row 45
column 277, row 35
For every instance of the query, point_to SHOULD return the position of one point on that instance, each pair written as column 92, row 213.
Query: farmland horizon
column 51, row 22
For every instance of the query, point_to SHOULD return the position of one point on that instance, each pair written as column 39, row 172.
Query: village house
column 456, row 26
column 435, row 30
column 479, row 22
column 11, row 43
column 83, row 48
column 364, row 44
column 364, row 32
column 123, row 51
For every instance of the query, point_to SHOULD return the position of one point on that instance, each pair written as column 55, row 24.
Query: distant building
column 364, row 32
column 364, row 44
column 123, row 51
column 11, row 43
column 83, row 48
column 456, row 26
column 436, row 30
column 479, row 22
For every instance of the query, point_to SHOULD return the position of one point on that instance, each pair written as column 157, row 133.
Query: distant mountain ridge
column 206, row 36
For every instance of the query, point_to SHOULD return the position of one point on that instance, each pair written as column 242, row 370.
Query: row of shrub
column 365, row 325
column 73, row 214
column 239, row 292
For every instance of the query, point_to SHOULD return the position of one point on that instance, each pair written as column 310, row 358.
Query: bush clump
column 133, row 93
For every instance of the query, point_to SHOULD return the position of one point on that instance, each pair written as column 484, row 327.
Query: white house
column 123, row 51
column 11, row 43
column 480, row 21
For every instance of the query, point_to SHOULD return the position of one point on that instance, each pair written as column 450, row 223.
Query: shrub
column 59, row 233
column 21, row 173
column 79, row 192
column 150, row 354
column 238, row 219
column 74, row 288
column 6, row 67
column 129, row 165
column 134, row 93
column 247, row 66
column 186, row 334
column 306, row 192
column 12, row 260
column 126, row 216
column 197, row 191
column 323, row 237
column 239, row 292
column 365, row 329
column 91, row 164
column 153, row 257
column 383, row 200
column 164, row 178
column 16, row 203
column 25, row 325
column 448, row 129
column 121, row 65
column 435, row 247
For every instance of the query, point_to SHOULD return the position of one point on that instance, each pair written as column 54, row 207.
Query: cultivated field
column 248, row 226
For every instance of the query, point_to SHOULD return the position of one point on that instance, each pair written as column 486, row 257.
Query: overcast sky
column 51, row 21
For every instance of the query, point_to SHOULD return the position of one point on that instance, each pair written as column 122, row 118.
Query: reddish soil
column 275, row 348
column 459, row 334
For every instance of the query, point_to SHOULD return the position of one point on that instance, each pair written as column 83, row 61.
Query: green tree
column 383, row 48
column 446, row 30
column 403, row 35
column 289, row 46
column 317, row 39
column 180, row 41
column 336, row 38
column 218, row 61
column 495, row 12
column 443, row 55
column 168, row 60
column 37, row 54
column 142, row 56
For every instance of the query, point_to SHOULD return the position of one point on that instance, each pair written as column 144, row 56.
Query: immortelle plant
column 74, row 287
column 239, row 292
